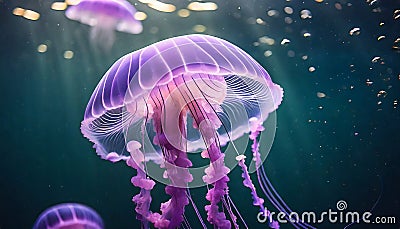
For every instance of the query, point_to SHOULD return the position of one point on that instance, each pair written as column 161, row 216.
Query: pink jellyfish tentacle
column 176, row 164
column 143, row 199
column 257, row 201
column 256, row 128
column 207, row 121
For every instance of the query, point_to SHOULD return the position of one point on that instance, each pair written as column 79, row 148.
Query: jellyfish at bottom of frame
column 193, row 93
column 69, row 216
column 104, row 17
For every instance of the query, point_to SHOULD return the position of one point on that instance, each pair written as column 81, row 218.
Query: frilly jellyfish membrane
column 69, row 216
column 104, row 17
column 167, row 106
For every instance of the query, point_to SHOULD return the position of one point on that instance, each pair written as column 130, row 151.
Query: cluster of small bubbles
column 396, row 14
column 317, row 121
column 352, row 68
column 377, row 10
column 396, row 44
column 355, row 31
column 311, row 69
column 273, row 13
column 369, row 82
column 395, row 103
column 381, row 93
column 285, row 41
column 305, row 14
column 28, row 14
column 374, row 3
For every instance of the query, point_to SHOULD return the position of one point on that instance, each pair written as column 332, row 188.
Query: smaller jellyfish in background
column 69, row 216
column 105, row 16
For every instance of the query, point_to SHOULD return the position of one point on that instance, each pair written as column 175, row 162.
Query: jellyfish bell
column 187, row 94
column 104, row 17
column 69, row 216
column 131, row 97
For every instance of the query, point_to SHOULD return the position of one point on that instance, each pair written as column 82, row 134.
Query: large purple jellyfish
column 157, row 106
column 69, row 216
column 105, row 16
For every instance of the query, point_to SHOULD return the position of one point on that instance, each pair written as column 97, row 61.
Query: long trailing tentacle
column 265, row 184
column 196, row 209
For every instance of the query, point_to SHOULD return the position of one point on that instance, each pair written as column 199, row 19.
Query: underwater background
column 338, row 128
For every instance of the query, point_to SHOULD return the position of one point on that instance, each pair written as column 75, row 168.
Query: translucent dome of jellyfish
column 105, row 16
column 156, row 107
column 69, row 216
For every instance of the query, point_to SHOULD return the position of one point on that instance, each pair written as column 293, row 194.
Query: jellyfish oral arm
column 175, row 163
column 216, row 173
column 143, row 199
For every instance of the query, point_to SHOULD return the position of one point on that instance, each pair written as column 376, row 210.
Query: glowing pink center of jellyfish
column 104, row 17
column 187, row 94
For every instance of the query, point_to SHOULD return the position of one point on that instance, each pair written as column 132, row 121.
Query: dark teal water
column 341, row 147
